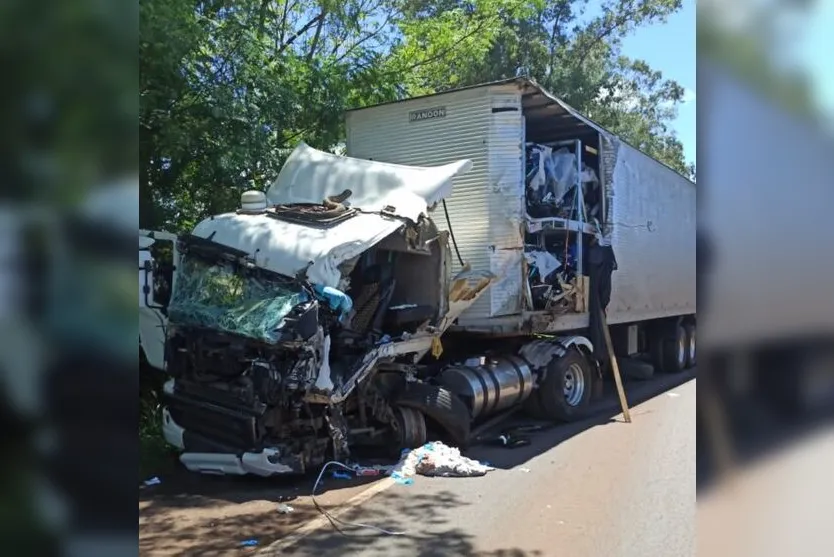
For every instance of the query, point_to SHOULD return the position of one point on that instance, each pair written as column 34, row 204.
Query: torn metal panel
column 376, row 199
column 290, row 248
column 310, row 175
column 463, row 293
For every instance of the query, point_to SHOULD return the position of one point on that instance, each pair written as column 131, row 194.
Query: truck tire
column 565, row 393
column 691, row 346
column 669, row 350
column 636, row 369
column 409, row 428
column 441, row 405
column 533, row 407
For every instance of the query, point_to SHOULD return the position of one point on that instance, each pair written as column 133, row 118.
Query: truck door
column 156, row 281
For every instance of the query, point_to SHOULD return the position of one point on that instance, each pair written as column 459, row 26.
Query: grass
column 155, row 455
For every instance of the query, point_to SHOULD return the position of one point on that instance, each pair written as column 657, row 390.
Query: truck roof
column 539, row 104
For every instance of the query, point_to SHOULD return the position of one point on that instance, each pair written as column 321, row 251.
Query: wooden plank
column 615, row 367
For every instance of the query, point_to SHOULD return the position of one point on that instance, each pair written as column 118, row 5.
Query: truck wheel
column 441, row 405
column 690, row 345
column 532, row 405
column 670, row 350
column 636, row 369
column 566, row 390
column 409, row 428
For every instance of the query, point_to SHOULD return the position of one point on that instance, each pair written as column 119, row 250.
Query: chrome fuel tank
column 494, row 384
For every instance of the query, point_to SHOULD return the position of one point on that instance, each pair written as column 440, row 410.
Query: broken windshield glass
column 224, row 296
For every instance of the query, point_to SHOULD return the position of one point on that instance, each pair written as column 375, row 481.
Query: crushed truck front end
column 294, row 327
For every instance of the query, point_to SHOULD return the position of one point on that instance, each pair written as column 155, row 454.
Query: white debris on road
column 437, row 459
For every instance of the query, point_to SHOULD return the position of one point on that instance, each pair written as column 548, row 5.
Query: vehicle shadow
column 603, row 410
column 192, row 514
column 391, row 511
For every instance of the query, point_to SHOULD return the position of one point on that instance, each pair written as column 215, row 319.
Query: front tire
column 409, row 428
column 565, row 393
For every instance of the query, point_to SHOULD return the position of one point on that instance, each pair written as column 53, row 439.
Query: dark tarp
column 600, row 264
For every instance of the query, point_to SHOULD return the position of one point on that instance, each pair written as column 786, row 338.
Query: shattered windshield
column 223, row 296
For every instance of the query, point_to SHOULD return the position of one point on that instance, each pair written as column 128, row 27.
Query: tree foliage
column 227, row 88
column 749, row 53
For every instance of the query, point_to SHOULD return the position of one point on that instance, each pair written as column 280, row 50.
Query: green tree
column 574, row 54
column 748, row 53
column 228, row 88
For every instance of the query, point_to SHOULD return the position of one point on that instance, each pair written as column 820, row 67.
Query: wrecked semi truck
column 348, row 305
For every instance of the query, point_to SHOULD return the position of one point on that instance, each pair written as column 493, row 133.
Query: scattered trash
column 370, row 471
column 341, row 475
column 522, row 469
column 437, row 459
column 249, row 543
column 545, row 263
column 673, row 395
column 509, row 441
column 153, row 481
column 283, row 508
column 400, row 479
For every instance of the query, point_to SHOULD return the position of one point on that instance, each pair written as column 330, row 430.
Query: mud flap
column 439, row 404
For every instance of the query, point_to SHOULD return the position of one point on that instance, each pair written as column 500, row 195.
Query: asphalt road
column 601, row 487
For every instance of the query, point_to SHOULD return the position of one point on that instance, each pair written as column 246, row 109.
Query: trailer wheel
column 566, row 390
column 409, row 428
column 670, row 350
column 691, row 346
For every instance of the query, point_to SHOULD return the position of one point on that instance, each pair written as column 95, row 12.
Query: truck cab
column 294, row 322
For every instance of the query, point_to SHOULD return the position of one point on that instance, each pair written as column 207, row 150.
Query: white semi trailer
column 512, row 216
column 348, row 303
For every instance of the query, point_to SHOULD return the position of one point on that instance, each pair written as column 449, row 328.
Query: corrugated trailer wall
column 652, row 212
column 398, row 133
column 506, row 201
column 650, row 208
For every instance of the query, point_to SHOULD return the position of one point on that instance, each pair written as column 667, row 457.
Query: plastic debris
column 336, row 299
column 249, row 543
column 437, row 459
column 153, row 481
column 370, row 471
column 283, row 508
column 510, row 441
column 341, row 475
column 523, row 469
column 544, row 262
